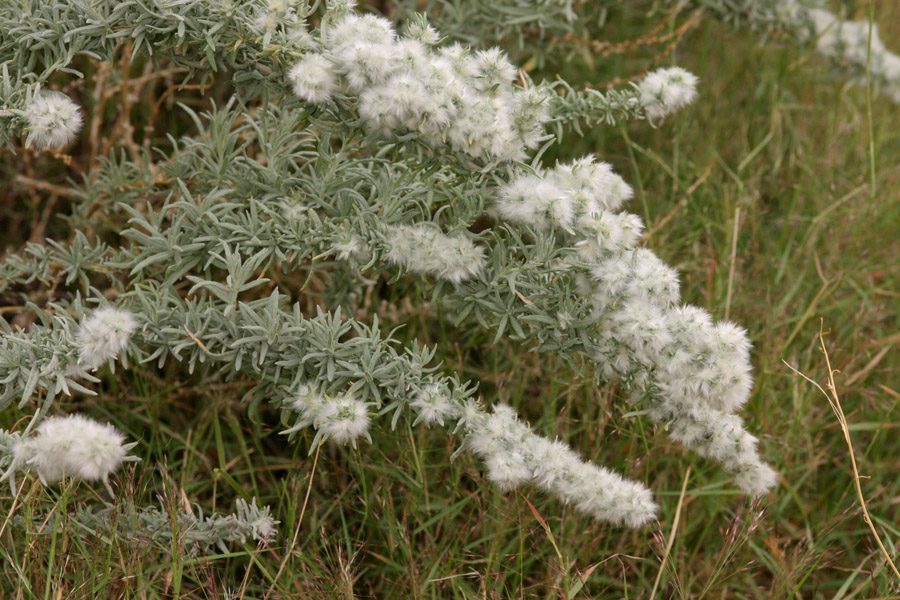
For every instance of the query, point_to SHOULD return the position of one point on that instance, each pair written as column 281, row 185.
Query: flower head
column 53, row 121
column 424, row 249
column 72, row 446
column 313, row 79
column 344, row 420
column 666, row 90
column 104, row 335
column 433, row 404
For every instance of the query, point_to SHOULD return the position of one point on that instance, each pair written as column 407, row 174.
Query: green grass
column 774, row 138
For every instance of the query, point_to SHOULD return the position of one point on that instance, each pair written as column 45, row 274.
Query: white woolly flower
column 636, row 274
column 666, row 90
column 350, row 246
column 307, row 402
column 433, row 404
column 343, row 419
column 364, row 48
column 423, row 248
column 365, row 64
column 53, row 121
column 605, row 232
column 461, row 59
column 507, row 470
column 584, row 191
column 411, row 55
column 493, row 70
column 530, row 111
column 847, row 40
column 104, row 335
column 423, row 32
column 294, row 211
column 451, row 96
column 515, row 456
column 314, row 79
column 72, row 446
column 356, row 29
column 593, row 186
column 720, row 436
column 535, row 201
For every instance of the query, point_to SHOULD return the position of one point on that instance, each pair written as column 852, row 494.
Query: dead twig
column 835, row 403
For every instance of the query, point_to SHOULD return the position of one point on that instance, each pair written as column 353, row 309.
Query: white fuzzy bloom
column 351, row 246
column 364, row 48
column 365, row 64
column 605, row 232
column 307, row 402
column 412, row 56
column 516, row 456
column 294, row 211
column 493, row 71
column 423, row 248
column 484, row 127
column 268, row 20
column 356, row 29
column 53, row 121
column 72, row 446
column 535, row 201
column 314, row 79
column 104, row 335
column 508, row 470
column 450, row 96
column 694, row 372
column 697, row 373
column 401, row 102
column 343, row 419
column 846, row 40
column 423, row 32
column 593, row 186
column 433, row 405
column 722, row 437
column 461, row 59
column 636, row 274
column 530, row 111
column 584, row 191
column 666, row 90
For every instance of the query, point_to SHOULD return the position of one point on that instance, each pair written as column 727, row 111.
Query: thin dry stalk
column 293, row 545
column 835, row 403
column 671, row 542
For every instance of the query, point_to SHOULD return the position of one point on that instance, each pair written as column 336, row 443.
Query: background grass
column 760, row 194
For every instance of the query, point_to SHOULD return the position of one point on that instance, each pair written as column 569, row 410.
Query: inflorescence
column 71, row 446
column 684, row 371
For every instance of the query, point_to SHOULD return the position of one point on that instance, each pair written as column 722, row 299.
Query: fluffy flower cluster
column 563, row 196
column 433, row 404
column 424, row 249
column 72, row 446
column 691, row 373
column 343, row 419
column 53, row 121
column 515, row 456
column 104, row 335
column 277, row 12
column 845, row 40
column 666, row 90
column 449, row 95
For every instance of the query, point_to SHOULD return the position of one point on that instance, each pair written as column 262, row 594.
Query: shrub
column 356, row 155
